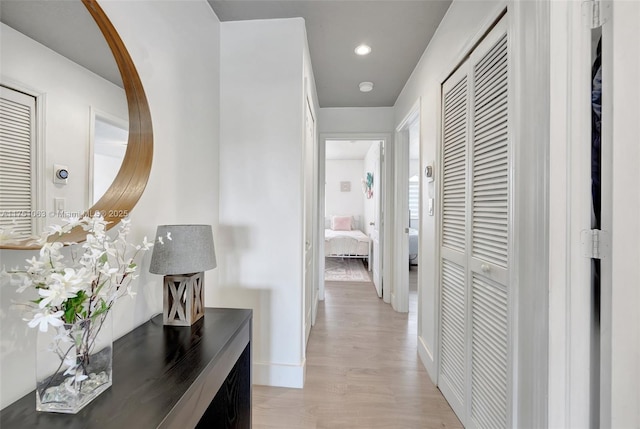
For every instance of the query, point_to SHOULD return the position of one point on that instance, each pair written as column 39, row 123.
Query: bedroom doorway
column 351, row 202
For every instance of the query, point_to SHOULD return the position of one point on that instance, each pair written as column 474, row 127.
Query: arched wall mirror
column 81, row 141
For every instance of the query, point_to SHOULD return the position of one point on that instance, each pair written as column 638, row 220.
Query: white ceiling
column 398, row 32
column 347, row 149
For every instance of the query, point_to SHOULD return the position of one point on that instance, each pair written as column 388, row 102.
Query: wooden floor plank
column 363, row 370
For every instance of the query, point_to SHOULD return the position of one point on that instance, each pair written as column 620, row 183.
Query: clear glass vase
column 73, row 364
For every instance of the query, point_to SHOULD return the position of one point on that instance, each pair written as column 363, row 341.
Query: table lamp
column 182, row 255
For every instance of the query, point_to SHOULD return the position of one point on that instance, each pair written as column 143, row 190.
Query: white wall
column 371, row 164
column 180, row 73
column 261, row 242
column 355, row 120
column 624, row 351
column 70, row 91
column 344, row 203
column 463, row 24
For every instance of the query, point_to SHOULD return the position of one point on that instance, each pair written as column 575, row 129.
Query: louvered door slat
column 454, row 161
column 453, row 326
column 489, row 349
column 492, row 58
column 492, row 100
column 490, row 157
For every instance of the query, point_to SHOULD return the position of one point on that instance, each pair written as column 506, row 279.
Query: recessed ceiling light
column 366, row 86
column 363, row 49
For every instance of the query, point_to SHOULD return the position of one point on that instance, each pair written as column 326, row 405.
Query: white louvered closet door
column 479, row 270
column 17, row 161
column 453, row 266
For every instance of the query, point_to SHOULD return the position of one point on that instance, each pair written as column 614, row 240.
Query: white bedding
column 413, row 246
column 345, row 243
column 413, row 242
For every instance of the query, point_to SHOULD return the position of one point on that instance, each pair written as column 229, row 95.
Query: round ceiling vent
column 366, row 86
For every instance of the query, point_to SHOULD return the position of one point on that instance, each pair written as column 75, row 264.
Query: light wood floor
column 363, row 370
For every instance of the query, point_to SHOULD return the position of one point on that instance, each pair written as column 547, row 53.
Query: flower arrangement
column 90, row 283
column 75, row 294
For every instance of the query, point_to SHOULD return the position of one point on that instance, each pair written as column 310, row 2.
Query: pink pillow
column 341, row 223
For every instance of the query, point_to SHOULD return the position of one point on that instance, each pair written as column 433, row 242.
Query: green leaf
column 73, row 306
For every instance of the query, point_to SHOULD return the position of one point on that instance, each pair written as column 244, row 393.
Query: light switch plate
column 58, row 205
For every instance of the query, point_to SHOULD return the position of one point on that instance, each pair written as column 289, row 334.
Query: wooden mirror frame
column 131, row 180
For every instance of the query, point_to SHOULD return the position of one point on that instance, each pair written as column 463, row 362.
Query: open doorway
column 109, row 138
column 351, row 202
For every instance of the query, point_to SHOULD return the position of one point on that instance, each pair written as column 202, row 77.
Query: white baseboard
column 426, row 356
column 279, row 375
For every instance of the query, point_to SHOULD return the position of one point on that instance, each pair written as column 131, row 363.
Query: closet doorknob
column 485, row 268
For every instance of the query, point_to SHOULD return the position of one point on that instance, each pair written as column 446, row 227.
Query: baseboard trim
column 279, row 375
column 426, row 357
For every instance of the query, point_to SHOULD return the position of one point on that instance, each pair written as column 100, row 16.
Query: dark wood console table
column 165, row 377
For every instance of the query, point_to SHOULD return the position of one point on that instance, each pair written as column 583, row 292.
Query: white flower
column 35, row 265
column 145, row 245
column 160, row 240
column 8, row 235
column 130, row 292
column 55, row 229
column 169, row 236
column 107, row 270
column 62, row 287
column 44, row 319
column 26, row 283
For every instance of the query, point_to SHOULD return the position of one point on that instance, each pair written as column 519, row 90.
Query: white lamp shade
column 190, row 250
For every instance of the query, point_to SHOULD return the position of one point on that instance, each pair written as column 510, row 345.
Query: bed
column 413, row 246
column 343, row 239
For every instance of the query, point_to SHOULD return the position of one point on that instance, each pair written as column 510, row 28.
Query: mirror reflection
column 63, row 114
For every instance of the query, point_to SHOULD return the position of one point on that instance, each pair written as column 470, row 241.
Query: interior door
column 308, row 218
column 376, row 236
column 400, row 298
column 453, row 264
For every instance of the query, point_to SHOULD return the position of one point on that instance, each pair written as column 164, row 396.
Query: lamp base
column 183, row 299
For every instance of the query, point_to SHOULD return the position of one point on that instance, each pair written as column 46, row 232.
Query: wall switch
column 58, row 205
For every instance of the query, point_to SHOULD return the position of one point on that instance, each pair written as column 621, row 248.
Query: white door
column 376, row 236
column 474, row 312
column 308, row 219
column 18, row 161
column 400, row 294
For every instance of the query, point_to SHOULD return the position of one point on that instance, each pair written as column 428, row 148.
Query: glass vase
column 73, row 364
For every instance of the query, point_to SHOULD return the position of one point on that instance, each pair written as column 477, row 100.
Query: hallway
column 363, row 370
